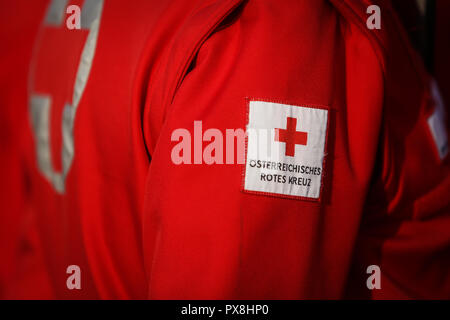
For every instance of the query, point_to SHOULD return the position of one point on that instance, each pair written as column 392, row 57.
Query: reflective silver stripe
column 67, row 151
column 40, row 104
column 90, row 12
column 87, row 56
column 40, row 118
column 56, row 12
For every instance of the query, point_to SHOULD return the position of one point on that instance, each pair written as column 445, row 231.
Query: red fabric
column 20, row 251
column 406, row 224
column 140, row 226
column 442, row 48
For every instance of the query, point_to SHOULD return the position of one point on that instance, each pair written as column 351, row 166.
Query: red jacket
column 22, row 273
column 371, row 173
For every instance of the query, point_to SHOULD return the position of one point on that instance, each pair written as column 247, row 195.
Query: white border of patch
column 268, row 169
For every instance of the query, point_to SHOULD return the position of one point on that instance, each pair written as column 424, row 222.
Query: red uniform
column 22, row 273
column 359, row 173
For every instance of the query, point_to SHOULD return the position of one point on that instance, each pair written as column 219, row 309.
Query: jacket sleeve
column 205, row 235
column 405, row 230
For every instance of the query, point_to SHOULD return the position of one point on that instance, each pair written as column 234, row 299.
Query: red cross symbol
column 290, row 136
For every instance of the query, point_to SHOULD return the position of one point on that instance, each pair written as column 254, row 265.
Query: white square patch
column 285, row 149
